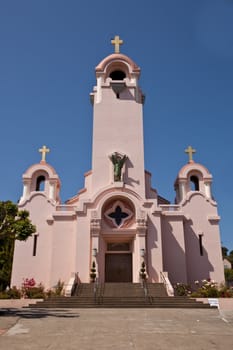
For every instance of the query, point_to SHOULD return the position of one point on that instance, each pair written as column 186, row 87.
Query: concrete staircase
column 120, row 295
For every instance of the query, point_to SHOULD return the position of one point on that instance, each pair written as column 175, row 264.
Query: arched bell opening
column 40, row 183
column 194, row 183
column 117, row 75
column 117, row 71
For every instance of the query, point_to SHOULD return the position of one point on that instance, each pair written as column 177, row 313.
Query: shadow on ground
column 35, row 313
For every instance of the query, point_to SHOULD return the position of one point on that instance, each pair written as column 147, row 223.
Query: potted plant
column 93, row 272
column 143, row 271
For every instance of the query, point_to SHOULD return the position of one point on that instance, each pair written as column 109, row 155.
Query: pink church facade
column 117, row 220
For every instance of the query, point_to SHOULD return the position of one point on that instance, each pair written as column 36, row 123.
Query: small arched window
column 40, row 183
column 194, row 183
column 117, row 75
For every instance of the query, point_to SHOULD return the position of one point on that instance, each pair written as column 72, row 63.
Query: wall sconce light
column 94, row 252
column 142, row 252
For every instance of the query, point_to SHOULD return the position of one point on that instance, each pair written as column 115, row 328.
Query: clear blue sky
column 49, row 49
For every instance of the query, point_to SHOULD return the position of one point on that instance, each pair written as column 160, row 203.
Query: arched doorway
column 119, row 216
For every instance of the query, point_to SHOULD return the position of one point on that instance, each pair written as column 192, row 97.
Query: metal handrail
column 145, row 289
column 98, row 292
column 95, row 289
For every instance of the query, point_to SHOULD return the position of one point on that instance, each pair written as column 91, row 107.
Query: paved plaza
column 83, row 329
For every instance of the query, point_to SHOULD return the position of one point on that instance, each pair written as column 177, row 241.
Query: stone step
column 123, row 289
column 116, row 306
column 85, row 289
column 120, row 295
column 156, row 290
column 120, row 302
column 127, row 289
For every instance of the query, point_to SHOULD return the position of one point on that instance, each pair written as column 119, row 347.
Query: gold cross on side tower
column 117, row 42
column 190, row 151
column 43, row 151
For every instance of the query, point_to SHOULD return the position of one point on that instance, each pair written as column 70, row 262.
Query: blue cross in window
column 118, row 215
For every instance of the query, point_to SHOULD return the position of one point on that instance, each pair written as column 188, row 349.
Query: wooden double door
column 118, row 267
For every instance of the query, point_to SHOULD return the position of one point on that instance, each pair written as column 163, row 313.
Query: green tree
column 228, row 275
column 230, row 257
column 224, row 252
column 14, row 225
column 6, row 257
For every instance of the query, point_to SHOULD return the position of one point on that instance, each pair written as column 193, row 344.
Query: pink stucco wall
column 203, row 221
column 174, row 257
column 167, row 234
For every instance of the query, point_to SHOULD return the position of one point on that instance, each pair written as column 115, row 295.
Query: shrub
column 210, row 289
column 225, row 292
column 11, row 293
column 14, row 293
column 206, row 289
column 228, row 275
column 56, row 291
column 36, row 292
column 59, row 288
column 4, row 295
column 31, row 290
column 182, row 289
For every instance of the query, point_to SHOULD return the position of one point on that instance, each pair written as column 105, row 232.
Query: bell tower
column 118, row 124
column 193, row 178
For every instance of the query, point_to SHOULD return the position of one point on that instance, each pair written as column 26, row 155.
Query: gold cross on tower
column 43, row 151
column 117, row 42
column 190, row 151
